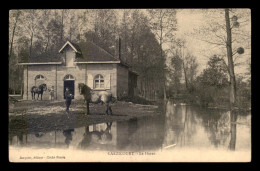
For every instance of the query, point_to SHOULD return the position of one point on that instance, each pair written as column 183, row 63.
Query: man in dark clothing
column 68, row 97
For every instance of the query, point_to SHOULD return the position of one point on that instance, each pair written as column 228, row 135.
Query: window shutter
column 90, row 81
column 107, row 81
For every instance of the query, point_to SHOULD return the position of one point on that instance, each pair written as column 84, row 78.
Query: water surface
column 180, row 127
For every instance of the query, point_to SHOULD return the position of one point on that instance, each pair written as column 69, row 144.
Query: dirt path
column 44, row 116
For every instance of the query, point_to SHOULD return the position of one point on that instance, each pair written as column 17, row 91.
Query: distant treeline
column 211, row 88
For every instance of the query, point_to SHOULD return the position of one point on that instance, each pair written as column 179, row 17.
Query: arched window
column 69, row 77
column 99, row 81
column 39, row 77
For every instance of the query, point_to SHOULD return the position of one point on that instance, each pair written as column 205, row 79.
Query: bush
column 135, row 99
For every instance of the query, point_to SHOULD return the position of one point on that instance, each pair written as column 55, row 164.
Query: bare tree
column 230, row 60
column 222, row 32
column 13, row 24
column 191, row 67
column 31, row 19
column 16, row 15
column 181, row 46
column 163, row 22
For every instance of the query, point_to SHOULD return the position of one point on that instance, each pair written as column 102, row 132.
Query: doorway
column 70, row 85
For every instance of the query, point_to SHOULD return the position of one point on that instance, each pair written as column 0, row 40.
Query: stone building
column 74, row 64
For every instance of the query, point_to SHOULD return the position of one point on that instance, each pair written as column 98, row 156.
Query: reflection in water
column 179, row 127
column 140, row 134
column 125, row 131
column 106, row 135
column 233, row 130
column 217, row 126
column 19, row 139
column 68, row 135
column 191, row 127
column 39, row 134
column 17, row 130
column 96, row 137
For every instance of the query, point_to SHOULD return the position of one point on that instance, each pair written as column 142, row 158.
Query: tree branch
column 220, row 44
column 234, row 53
column 224, row 62
column 222, row 38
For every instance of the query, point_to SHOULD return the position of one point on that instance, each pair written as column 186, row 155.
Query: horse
column 91, row 96
column 96, row 137
column 38, row 90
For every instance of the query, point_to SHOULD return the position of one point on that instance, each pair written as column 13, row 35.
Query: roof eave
column 134, row 72
column 125, row 64
column 98, row 62
column 41, row 63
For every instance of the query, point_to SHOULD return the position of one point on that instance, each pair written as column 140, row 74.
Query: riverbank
column 44, row 116
column 221, row 106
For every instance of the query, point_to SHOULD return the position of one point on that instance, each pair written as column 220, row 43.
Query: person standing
column 68, row 97
column 52, row 93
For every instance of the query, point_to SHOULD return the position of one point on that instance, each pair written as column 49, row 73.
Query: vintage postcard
column 129, row 85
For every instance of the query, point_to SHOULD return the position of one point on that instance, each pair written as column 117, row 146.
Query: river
column 179, row 128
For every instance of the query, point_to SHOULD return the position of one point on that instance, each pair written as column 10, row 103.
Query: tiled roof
column 76, row 46
column 89, row 52
column 44, row 57
column 92, row 52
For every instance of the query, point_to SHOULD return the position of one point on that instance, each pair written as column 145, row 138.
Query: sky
column 188, row 20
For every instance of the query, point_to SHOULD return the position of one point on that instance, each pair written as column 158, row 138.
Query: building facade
column 74, row 64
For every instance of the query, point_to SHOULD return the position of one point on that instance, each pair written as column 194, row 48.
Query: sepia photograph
column 129, row 85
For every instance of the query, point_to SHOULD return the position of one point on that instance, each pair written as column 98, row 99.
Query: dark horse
column 38, row 90
column 90, row 96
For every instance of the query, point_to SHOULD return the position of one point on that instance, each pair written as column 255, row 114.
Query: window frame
column 41, row 77
column 70, row 77
column 100, row 78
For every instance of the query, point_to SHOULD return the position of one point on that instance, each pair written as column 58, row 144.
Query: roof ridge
column 105, row 51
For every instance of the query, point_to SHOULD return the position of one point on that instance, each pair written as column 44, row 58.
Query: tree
column 180, row 44
column 175, row 71
column 125, row 34
column 30, row 19
column 190, row 67
column 15, row 16
column 163, row 22
column 14, row 22
column 81, row 26
column 188, row 62
column 140, row 49
column 49, row 41
column 224, row 33
column 23, row 48
column 212, row 82
column 216, row 73
column 105, row 28
column 230, row 60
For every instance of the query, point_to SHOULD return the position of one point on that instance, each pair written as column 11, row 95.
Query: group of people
column 68, row 97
